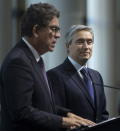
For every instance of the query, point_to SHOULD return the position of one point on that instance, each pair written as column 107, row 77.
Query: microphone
column 108, row 86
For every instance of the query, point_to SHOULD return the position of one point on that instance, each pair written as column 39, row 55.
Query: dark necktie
column 88, row 82
column 42, row 67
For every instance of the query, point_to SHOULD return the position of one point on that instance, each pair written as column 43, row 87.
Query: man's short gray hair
column 75, row 28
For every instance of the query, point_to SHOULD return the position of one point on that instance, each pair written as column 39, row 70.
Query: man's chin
column 51, row 49
column 87, row 57
column 84, row 60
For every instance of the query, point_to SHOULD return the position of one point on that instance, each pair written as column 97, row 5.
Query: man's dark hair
column 37, row 14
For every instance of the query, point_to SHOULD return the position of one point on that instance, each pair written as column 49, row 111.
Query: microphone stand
column 112, row 87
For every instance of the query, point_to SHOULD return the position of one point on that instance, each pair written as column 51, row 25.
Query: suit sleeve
column 60, row 108
column 18, row 82
column 57, row 84
column 105, row 113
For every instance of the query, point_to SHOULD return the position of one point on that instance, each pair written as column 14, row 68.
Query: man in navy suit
column 68, row 81
column 27, row 102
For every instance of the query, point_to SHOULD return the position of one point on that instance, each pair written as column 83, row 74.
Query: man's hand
column 73, row 121
column 70, row 123
column 82, row 121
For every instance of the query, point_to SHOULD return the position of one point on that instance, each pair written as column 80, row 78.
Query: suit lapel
column 73, row 74
column 94, row 80
column 41, row 78
column 33, row 62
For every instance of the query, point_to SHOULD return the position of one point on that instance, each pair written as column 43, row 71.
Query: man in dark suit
column 83, row 94
column 27, row 102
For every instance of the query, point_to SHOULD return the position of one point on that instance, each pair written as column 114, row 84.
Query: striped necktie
column 43, row 72
column 88, row 82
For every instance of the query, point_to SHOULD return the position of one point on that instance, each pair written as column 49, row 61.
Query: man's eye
column 83, row 41
column 54, row 28
column 80, row 41
column 89, row 41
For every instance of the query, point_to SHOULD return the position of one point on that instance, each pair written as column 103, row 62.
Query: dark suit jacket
column 70, row 92
column 26, row 104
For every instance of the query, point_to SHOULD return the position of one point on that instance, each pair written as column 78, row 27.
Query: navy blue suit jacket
column 26, row 103
column 70, row 92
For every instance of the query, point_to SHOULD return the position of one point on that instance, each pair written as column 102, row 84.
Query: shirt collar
column 33, row 50
column 77, row 66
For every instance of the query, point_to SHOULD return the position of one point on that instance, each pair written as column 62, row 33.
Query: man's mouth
column 85, row 53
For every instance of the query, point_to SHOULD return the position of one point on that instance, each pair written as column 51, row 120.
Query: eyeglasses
column 82, row 41
column 54, row 29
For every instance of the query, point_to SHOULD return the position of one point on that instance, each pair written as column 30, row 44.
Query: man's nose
column 58, row 34
column 85, row 44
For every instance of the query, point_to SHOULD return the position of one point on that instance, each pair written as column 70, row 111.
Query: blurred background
column 101, row 15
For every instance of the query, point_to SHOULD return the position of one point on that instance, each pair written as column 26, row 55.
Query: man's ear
column 67, row 47
column 35, row 31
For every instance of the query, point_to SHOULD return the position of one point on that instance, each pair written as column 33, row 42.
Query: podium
column 108, row 125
